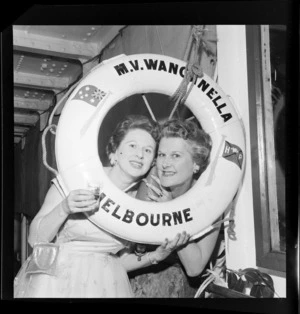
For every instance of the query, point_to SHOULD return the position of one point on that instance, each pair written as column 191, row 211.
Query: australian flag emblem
column 90, row 94
column 233, row 153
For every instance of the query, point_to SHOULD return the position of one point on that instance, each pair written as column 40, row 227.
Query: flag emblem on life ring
column 233, row 153
column 90, row 94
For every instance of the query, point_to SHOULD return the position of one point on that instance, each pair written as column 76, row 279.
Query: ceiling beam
column 108, row 34
column 19, row 134
column 32, row 104
column 41, row 81
column 25, row 41
column 20, row 129
column 17, row 139
column 26, row 118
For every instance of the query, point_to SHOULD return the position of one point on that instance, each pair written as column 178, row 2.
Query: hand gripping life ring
column 78, row 162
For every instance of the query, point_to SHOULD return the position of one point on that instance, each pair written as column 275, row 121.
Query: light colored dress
column 87, row 266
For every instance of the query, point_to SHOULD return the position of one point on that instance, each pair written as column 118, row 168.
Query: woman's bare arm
column 55, row 210
column 196, row 254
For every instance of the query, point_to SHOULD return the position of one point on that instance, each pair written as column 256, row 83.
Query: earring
column 114, row 162
column 196, row 169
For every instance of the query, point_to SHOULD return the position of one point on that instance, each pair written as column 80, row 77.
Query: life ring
column 78, row 160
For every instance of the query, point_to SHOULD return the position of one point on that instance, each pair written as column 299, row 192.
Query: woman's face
column 135, row 154
column 175, row 162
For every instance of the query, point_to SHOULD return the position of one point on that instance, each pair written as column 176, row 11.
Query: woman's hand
column 162, row 195
column 166, row 248
column 80, row 201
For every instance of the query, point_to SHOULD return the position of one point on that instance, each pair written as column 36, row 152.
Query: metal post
column 24, row 225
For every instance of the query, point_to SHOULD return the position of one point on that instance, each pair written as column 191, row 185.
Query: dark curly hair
column 132, row 122
column 199, row 140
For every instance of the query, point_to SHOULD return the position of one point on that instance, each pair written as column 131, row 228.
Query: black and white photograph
column 151, row 160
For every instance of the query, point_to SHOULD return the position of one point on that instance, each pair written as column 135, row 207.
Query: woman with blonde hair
column 183, row 155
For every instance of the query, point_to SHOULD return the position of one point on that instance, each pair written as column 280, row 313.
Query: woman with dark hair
column 129, row 159
column 73, row 258
column 183, row 155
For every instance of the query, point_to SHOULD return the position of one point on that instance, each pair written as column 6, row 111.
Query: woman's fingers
column 77, row 209
column 173, row 244
column 167, row 196
column 156, row 179
column 166, row 247
column 184, row 237
column 152, row 197
column 81, row 195
column 154, row 188
column 86, row 203
column 164, row 244
column 161, row 192
column 82, row 192
column 180, row 239
column 82, row 200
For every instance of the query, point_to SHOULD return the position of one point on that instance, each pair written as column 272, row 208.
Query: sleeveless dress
column 86, row 265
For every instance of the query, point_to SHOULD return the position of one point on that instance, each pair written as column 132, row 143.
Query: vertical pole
column 23, row 238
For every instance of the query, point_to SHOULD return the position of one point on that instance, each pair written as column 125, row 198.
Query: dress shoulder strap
column 59, row 186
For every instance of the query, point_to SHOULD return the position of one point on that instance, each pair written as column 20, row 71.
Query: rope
column 188, row 48
column 221, row 221
column 161, row 48
column 205, row 283
column 190, row 118
column 146, row 37
column 45, row 151
column 148, row 107
column 193, row 70
column 230, row 231
column 209, row 228
column 58, row 104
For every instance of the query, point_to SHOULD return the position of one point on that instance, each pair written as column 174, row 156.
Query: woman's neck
column 178, row 190
column 119, row 178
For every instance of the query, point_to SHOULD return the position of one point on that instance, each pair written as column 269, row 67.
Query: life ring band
column 78, row 162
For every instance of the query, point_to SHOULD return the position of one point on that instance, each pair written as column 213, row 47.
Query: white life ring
column 78, row 161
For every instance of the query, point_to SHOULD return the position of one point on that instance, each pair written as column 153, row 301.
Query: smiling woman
column 183, row 155
column 131, row 151
column 183, row 149
column 173, row 157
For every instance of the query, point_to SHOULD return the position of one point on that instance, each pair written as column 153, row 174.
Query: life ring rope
column 148, row 107
column 193, row 70
column 59, row 103
column 211, row 227
column 45, row 150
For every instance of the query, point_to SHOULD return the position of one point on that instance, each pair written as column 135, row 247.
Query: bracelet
column 152, row 261
column 140, row 251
